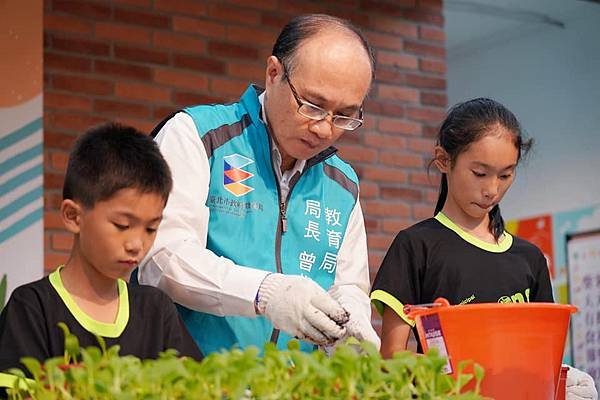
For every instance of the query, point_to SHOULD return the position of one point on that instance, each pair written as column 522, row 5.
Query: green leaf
column 71, row 343
column 101, row 342
column 293, row 345
column 479, row 374
column 3, row 288
column 33, row 365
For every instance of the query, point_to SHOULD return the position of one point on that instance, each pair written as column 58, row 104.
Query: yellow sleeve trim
column 8, row 381
column 380, row 298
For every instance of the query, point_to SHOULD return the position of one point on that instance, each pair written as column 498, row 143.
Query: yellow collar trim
column 91, row 325
column 501, row 247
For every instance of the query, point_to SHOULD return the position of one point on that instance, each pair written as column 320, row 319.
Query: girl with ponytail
column 463, row 253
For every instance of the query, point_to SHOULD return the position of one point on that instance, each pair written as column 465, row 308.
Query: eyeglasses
column 317, row 113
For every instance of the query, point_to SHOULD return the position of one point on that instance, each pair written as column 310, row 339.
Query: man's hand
column 301, row 308
column 358, row 304
column 580, row 386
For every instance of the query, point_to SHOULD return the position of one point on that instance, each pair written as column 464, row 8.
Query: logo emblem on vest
column 234, row 175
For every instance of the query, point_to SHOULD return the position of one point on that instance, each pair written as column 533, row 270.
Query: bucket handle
column 413, row 310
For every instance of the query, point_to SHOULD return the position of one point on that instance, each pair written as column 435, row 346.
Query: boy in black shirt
column 116, row 186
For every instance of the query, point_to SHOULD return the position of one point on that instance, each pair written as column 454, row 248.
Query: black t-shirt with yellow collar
column 436, row 258
column 147, row 323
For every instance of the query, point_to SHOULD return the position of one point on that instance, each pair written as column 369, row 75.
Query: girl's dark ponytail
column 443, row 194
column 496, row 222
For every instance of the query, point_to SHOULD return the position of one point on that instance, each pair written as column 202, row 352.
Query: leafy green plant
column 352, row 372
column 3, row 284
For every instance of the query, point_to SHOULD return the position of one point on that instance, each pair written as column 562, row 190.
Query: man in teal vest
column 263, row 237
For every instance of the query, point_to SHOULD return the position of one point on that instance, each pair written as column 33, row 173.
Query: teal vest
column 251, row 226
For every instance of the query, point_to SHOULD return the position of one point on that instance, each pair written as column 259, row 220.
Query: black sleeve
column 176, row 334
column 397, row 282
column 542, row 290
column 22, row 329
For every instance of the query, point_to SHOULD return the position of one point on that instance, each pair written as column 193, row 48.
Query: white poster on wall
column 583, row 269
column 21, row 153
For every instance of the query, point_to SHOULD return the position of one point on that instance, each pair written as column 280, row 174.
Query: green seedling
column 351, row 372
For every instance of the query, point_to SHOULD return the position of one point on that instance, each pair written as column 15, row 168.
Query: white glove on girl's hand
column 301, row 308
column 358, row 304
column 580, row 386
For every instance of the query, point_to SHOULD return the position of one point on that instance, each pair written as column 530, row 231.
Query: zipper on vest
column 282, row 225
column 281, row 220
column 282, row 209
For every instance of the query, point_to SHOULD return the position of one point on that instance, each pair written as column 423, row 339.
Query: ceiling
column 474, row 25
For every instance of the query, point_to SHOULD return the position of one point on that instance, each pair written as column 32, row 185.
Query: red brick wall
column 137, row 60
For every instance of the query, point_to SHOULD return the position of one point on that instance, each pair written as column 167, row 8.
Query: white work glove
column 358, row 304
column 580, row 385
column 301, row 308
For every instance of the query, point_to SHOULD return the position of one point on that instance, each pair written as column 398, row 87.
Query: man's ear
column 274, row 71
column 70, row 212
column 441, row 159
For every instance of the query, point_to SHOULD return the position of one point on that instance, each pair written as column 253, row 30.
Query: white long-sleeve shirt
column 179, row 262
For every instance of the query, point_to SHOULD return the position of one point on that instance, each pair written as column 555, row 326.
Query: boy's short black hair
column 111, row 157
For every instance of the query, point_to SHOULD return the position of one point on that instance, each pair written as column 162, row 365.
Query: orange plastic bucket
column 562, row 384
column 520, row 345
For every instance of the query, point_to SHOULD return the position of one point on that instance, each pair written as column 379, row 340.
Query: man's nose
column 323, row 128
